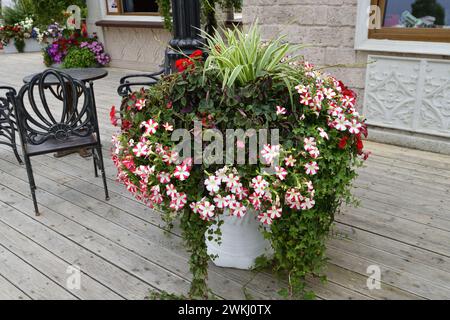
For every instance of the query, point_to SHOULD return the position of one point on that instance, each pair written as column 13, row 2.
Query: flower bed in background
column 20, row 34
column 72, row 49
column 295, row 186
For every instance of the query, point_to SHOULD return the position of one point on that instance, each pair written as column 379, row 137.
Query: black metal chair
column 7, row 121
column 125, row 86
column 44, row 130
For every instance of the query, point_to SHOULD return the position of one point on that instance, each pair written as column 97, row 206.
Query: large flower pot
column 31, row 45
column 242, row 242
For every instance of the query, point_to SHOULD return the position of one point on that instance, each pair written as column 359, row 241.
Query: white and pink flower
column 311, row 168
column 181, row 172
column 269, row 153
column 281, row 111
column 281, row 173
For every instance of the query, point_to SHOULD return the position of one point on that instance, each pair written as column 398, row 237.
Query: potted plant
column 21, row 37
column 172, row 153
column 73, row 49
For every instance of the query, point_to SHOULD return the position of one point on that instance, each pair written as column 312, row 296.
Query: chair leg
column 102, row 168
column 94, row 157
column 16, row 153
column 32, row 183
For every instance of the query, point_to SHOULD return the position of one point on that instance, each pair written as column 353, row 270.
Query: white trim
column 137, row 18
column 362, row 42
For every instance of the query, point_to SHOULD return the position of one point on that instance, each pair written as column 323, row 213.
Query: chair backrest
column 5, row 105
column 71, row 113
column 6, row 115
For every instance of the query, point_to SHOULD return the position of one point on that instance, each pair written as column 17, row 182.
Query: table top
column 81, row 74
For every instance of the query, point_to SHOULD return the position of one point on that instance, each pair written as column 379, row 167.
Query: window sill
column 398, row 46
column 130, row 24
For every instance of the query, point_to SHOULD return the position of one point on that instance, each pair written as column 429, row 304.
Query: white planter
column 31, row 45
column 242, row 242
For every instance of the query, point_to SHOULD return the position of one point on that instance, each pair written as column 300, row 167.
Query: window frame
column 407, row 34
column 122, row 13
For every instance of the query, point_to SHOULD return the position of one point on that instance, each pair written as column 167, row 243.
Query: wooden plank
column 123, row 258
column 402, row 280
column 410, row 155
column 10, row 292
column 320, row 288
column 407, row 252
column 94, row 266
column 50, row 265
column 415, row 234
column 150, row 249
column 30, row 281
column 422, row 272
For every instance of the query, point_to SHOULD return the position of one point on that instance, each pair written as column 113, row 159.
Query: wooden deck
column 402, row 225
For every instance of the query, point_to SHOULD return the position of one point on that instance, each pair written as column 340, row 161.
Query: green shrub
column 21, row 10
column 79, row 58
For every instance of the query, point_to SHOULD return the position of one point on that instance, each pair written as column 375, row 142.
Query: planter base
column 242, row 242
column 31, row 45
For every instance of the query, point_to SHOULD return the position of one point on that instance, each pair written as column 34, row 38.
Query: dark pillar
column 186, row 29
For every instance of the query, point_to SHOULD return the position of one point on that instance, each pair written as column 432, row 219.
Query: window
column 413, row 20
column 132, row 7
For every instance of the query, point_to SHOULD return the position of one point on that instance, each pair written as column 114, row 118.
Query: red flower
column 359, row 145
column 112, row 116
column 126, row 125
column 196, row 54
column 183, row 64
column 343, row 142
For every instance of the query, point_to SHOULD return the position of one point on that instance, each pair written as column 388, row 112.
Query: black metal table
column 83, row 75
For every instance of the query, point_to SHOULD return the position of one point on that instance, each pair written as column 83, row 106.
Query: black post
column 186, row 29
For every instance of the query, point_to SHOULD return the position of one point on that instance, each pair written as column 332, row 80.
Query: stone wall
column 136, row 48
column 327, row 27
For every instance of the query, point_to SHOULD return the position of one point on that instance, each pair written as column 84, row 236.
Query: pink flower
column 231, row 180
column 307, row 204
column 274, row 212
column 281, row 173
column 255, row 200
column 181, row 172
column 140, row 104
column 305, row 98
column 170, row 190
column 354, row 127
column 206, row 210
column 311, row 168
column 168, row 127
column 179, row 200
column 259, row 184
column 348, row 101
column 150, row 126
column 140, row 150
column 309, row 143
column 329, row 93
column 289, row 161
column 323, row 134
column 269, row 153
column 239, row 210
column 314, row 153
column 341, row 123
column 164, row 177
column 281, row 111
column 170, row 157
column 221, row 202
column 212, row 184
column 301, row 89
column 264, row 218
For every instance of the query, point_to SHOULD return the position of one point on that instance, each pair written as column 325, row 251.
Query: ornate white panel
column 409, row 94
